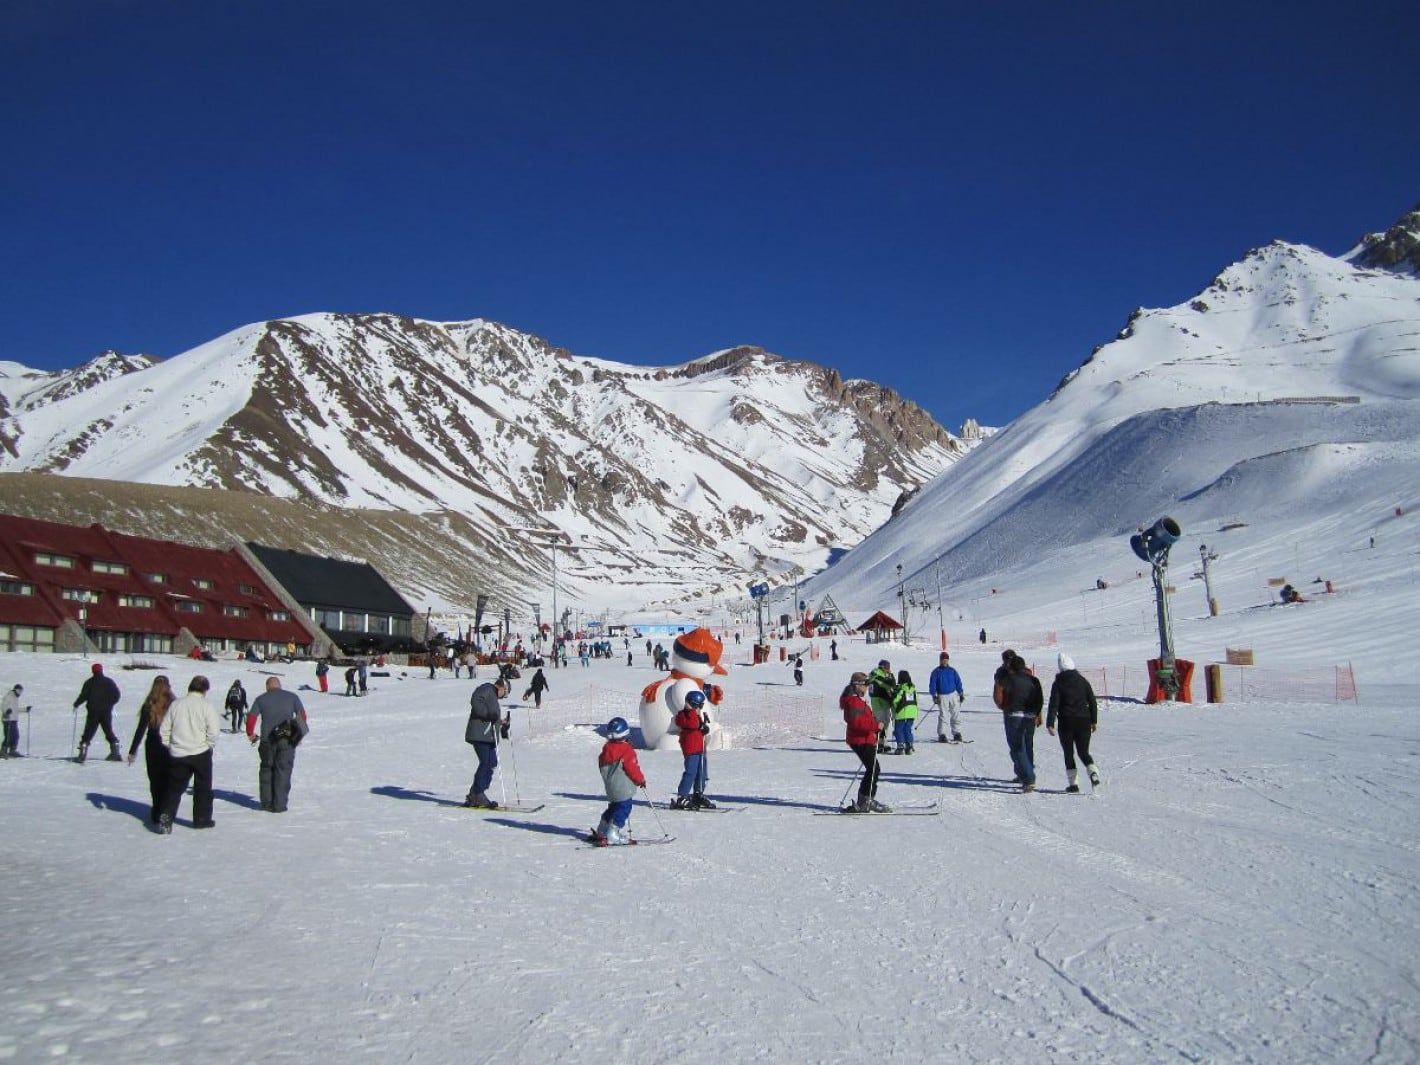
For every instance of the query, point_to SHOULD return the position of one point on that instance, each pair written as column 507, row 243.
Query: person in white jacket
column 189, row 732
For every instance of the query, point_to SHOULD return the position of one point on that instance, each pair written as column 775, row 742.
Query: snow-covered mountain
column 1274, row 415
column 737, row 463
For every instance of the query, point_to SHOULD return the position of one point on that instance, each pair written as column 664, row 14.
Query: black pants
column 1074, row 733
column 196, row 768
column 868, row 754
column 155, row 758
column 278, row 760
column 95, row 720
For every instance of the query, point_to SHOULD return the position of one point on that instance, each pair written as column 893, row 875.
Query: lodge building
column 67, row 588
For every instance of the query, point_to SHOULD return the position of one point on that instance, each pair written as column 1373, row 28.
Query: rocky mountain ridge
column 668, row 480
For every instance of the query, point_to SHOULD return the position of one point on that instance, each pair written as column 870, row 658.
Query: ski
column 927, row 810
column 586, row 842
column 510, row 808
column 703, row 809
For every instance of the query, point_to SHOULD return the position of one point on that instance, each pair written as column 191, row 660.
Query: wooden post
column 1213, row 675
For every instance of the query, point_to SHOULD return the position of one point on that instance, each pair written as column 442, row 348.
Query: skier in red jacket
column 694, row 726
column 621, row 773
column 862, row 736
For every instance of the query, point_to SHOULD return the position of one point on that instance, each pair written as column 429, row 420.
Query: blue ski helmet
column 617, row 729
column 695, row 700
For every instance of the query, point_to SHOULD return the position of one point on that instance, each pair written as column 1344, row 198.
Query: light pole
column 941, row 625
column 902, row 599
column 551, row 537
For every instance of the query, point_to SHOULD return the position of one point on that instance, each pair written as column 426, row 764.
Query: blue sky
column 959, row 201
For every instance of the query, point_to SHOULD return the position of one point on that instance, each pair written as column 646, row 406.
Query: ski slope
column 1244, row 888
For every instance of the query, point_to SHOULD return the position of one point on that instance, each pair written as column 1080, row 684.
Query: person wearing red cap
column 99, row 696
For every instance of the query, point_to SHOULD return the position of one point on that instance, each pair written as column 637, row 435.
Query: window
column 247, row 589
column 202, row 582
column 234, row 611
column 79, row 595
column 156, row 578
column 279, row 615
column 44, row 558
column 188, row 606
column 26, row 638
column 108, row 567
column 133, row 643
column 16, row 588
column 144, row 601
column 329, row 619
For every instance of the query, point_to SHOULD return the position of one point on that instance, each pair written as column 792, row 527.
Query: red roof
column 157, row 570
column 880, row 621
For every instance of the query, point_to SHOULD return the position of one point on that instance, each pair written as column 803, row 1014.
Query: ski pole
column 654, row 814
column 74, row 731
column 846, row 790
column 513, row 759
column 27, row 731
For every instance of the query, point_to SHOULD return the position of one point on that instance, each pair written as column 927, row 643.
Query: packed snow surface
column 1243, row 888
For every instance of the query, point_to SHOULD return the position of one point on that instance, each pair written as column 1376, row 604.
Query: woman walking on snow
column 155, row 755
column 1072, row 700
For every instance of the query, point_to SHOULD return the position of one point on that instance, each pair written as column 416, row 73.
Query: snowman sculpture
column 695, row 658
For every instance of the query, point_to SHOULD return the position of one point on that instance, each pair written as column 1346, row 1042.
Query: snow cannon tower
column 1169, row 676
column 695, row 658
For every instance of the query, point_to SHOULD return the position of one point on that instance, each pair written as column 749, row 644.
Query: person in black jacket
column 485, row 722
column 99, row 695
column 1072, row 701
column 1019, row 697
column 236, row 705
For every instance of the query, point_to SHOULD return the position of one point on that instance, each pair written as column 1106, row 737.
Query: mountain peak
column 1398, row 248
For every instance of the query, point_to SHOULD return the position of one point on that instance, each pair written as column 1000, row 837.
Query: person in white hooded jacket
column 189, row 732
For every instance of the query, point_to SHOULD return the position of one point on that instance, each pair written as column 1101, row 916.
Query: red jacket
column 692, row 740
column 858, row 715
column 620, row 751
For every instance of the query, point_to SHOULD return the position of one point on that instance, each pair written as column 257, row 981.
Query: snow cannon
column 695, row 658
column 1152, row 545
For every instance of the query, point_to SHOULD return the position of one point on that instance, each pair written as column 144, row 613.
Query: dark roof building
column 354, row 605
column 66, row 588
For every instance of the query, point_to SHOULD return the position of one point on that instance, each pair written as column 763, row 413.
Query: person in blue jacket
column 944, row 686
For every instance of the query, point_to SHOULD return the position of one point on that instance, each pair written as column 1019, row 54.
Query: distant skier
column 621, row 774
column 799, row 671
column 10, row 714
column 323, row 668
column 1072, row 701
column 99, row 694
column 536, row 687
column 236, row 705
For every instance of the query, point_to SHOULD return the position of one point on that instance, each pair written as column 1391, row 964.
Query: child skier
column 621, row 773
column 694, row 727
column 904, row 712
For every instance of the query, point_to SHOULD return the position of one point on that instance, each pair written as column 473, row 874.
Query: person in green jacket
column 904, row 712
column 881, row 689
